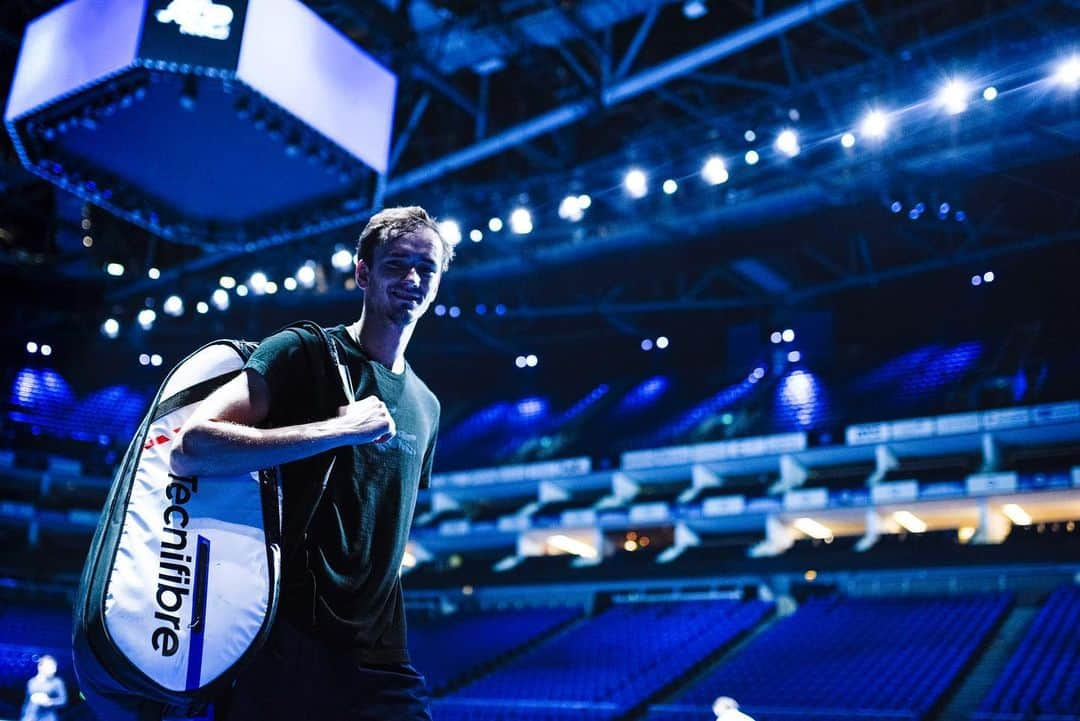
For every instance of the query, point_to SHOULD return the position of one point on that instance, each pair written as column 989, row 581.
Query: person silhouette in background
column 727, row 709
column 44, row 693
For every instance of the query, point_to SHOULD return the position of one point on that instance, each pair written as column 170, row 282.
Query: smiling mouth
column 410, row 297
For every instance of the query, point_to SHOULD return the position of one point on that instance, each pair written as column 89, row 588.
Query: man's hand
column 367, row 420
column 40, row 698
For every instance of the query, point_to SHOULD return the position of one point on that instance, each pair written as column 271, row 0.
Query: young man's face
column 403, row 277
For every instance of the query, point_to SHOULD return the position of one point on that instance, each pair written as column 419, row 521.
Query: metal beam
column 635, row 44
column 402, row 140
column 623, row 90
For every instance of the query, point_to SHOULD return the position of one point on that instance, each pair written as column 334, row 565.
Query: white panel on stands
column 806, row 499
column 895, row 492
column 958, row 423
column 578, row 518
column 454, row 528
column 511, row 524
column 1006, row 418
column 649, row 512
column 912, row 428
column 1056, row 412
column 981, row 484
column 866, row 433
column 723, row 506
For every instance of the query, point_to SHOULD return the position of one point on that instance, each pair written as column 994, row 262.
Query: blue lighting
column 800, row 401
column 42, row 398
column 920, row 374
column 706, row 409
column 644, row 394
column 530, row 408
column 582, row 405
column 896, row 207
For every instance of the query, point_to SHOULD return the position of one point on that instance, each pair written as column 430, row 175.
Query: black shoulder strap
column 340, row 371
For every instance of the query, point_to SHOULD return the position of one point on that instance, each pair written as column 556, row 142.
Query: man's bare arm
column 221, row 437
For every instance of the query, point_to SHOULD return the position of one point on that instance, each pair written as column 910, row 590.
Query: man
column 727, row 709
column 338, row 648
column 44, row 692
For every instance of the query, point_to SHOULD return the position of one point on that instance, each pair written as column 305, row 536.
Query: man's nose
column 413, row 276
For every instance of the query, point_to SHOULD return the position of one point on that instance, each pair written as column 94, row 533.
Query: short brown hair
column 392, row 222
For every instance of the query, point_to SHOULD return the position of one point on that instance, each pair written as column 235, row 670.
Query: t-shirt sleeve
column 429, row 454
column 281, row 360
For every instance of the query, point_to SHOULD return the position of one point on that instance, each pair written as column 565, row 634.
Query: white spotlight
column 990, row 93
column 636, row 183
column 227, row 282
column 909, row 521
column 567, row 544
column 271, row 287
column 847, row 140
column 775, row 337
column 813, row 528
column 241, row 290
column 155, row 360
column 531, row 360
column 153, row 273
column 662, row 342
column 220, row 299
column 875, row 125
column 202, row 308
column 669, row 186
column 111, row 328
column 695, row 9
column 714, row 171
column 289, row 283
column 953, row 96
column 749, row 136
column 450, row 231
column 788, row 335
column 751, row 157
column 146, row 318
column 1068, row 72
column 521, row 221
column 476, row 235
column 520, row 361
column 306, row 274
column 570, row 209
column 257, row 282
column 988, row 276
column 794, row 356
column 787, row 142
column 114, row 269
column 342, row 259
column 31, row 347
column 584, row 201
column 495, row 225
column 1016, row 514
column 173, row 305
column 46, row 349
column 144, row 359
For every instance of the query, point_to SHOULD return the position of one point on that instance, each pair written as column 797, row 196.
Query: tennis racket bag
column 182, row 580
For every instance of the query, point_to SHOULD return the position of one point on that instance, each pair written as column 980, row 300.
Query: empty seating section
column 610, row 664
column 887, row 658
column 1042, row 679
column 450, row 648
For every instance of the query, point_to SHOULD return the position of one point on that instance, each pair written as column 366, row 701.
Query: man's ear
column 362, row 274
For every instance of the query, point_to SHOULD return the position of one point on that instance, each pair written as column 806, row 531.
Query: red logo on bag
column 159, row 440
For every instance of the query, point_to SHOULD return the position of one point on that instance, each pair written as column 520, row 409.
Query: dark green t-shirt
column 349, row 590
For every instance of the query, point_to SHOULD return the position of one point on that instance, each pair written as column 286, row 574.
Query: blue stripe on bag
column 198, row 613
